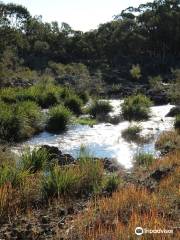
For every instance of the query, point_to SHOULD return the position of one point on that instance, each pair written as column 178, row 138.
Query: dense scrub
column 21, row 109
column 99, row 108
column 136, row 108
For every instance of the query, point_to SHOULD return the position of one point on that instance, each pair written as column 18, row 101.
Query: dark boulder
column 56, row 154
column 173, row 112
column 158, row 97
column 111, row 165
column 160, row 174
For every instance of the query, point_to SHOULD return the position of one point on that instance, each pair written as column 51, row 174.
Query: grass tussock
column 99, row 108
column 58, row 118
column 168, row 141
column 136, row 108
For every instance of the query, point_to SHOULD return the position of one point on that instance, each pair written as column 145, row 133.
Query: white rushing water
column 105, row 140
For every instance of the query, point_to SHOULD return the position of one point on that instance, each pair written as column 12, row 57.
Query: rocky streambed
column 104, row 140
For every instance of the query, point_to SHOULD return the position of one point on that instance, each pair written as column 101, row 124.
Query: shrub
column 10, row 124
column 45, row 95
column 100, row 108
column 19, row 121
column 144, row 159
column 83, row 96
column 59, row 117
column 34, row 160
column 30, row 114
column 156, row 83
column 74, row 103
column 177, row 122
column 136, row 108
column 168, row 141
column 135, row 71
column 132, row 133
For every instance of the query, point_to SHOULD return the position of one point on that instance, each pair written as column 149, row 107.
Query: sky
column 81, row 15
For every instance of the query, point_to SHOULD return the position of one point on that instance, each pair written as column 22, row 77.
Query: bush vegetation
column 74, row 103
column 144, row 159
column 136, row 108
column 58, row 118
column 132, row 133
column 100, row 108
column 19, row 121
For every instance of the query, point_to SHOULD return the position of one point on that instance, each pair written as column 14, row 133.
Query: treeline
column 148, row 35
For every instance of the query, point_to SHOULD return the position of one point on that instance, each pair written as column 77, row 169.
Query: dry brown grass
column 116, row 217
column 168, row 141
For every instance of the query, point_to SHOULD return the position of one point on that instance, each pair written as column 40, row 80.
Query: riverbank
column 89, row 202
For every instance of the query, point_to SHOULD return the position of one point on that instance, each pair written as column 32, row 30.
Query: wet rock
column 173, row 112
column 56, row 154
column 111, row 165
column 158, row 97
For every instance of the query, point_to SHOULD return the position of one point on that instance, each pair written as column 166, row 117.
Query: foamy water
column 105, row 140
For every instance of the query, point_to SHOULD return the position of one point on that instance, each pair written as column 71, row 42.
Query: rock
column 53, row 151
column 158, row 97
column 173, row 112
column 111, row 165
column 56, row 154
column 160, row 173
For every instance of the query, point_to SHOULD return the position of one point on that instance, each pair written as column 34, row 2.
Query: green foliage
column 144, row 159
column 112, row 183
column 135, row 71
column 85, row 177
column 100, row 108
column 9, row 172
column 19, row 121
column 74, row 103
column 59, row 117
column 60, row 181
column 156, row 83
column 84, row 96
column 132, row 133
column 34, row 160
column 174, row 92
column 177, row 122
column 85, row 121
column 136, row 108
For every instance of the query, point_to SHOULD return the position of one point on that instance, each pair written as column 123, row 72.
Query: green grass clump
column 85, row 121
column 177, row 122
column 19, row 121
column 144, row 159
column 86, row 177
column 34, row 160
column 83, row 96
column 59, row 117
column 100, row 108
column 136, row 108
column 74, row 103
column 112, row 183
column 60, row 181
column 132, row 133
